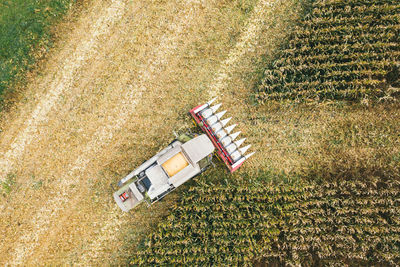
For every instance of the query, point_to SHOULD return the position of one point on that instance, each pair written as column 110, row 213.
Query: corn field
column 345, row 50
column 318, row 224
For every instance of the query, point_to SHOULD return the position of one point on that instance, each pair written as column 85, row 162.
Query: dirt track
column 108, row 97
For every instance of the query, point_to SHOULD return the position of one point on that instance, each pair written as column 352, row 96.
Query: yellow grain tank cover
column 175, row 164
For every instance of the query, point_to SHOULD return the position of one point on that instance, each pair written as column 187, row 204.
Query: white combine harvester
column 186, row 157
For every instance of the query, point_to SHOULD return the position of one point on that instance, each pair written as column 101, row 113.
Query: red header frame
column 221, row 151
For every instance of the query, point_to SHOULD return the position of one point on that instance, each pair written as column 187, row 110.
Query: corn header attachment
column 227, row 147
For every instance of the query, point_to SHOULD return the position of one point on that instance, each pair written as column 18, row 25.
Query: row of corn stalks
column 341, row 50
column 331, row 223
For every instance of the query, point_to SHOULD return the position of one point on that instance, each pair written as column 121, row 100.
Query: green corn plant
column 342, row 50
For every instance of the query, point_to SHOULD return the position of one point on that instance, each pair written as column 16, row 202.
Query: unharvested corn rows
column 341, row 50
column 332, row 223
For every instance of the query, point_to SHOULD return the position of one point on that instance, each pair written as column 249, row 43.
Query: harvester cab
column 184, row 158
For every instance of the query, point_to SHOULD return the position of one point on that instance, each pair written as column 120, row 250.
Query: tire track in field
column 44, row 217
column 41, row 221
column 246, row 43
column 62, row 82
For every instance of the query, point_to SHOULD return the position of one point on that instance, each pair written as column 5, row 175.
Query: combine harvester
column 184, row 158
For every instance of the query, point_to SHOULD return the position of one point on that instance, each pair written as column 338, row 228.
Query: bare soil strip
column 61, row 82
column 42, row 220
column 57, row 81
column 246, row 43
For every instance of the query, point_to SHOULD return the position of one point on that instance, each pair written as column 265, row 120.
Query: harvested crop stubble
column 341, row 50
column 290, row 224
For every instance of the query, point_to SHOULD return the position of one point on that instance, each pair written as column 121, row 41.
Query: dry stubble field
column 120, row 80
